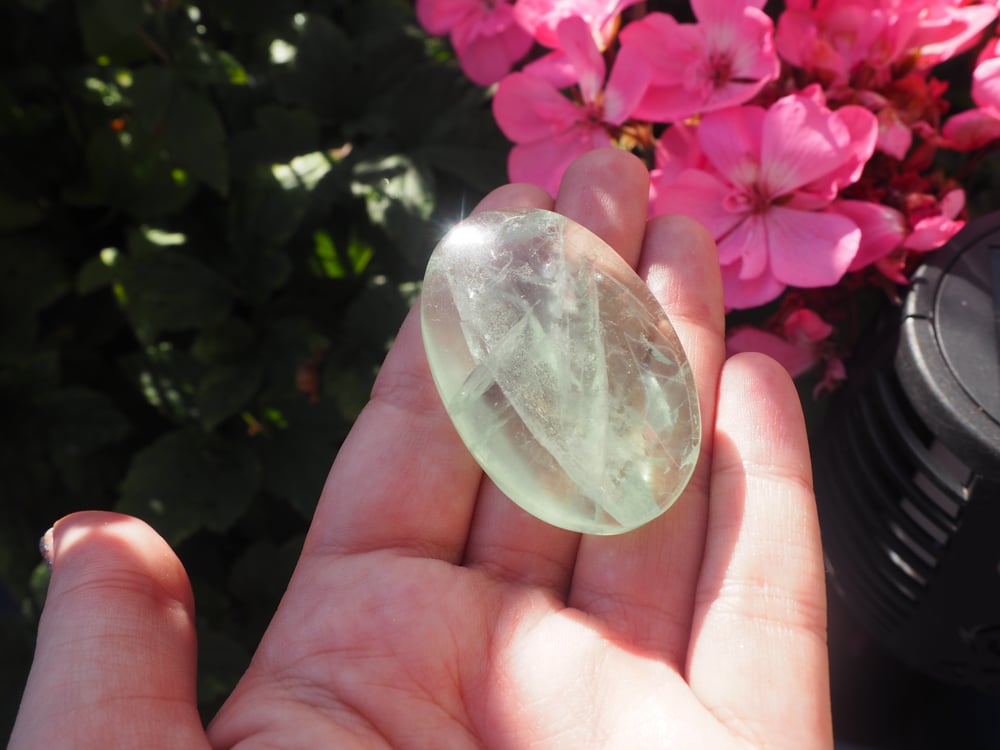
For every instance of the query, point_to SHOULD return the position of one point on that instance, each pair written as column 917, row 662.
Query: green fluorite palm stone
column 560, row 371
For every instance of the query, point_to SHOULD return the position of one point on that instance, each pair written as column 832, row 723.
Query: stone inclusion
column 560, row 371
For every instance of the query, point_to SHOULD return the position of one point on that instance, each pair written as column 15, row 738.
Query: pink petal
column 544, row 162
column 931, row 233
column 577, row 43
column 741, row 294
column 487, row 59
column 667, row 104
column 796, row 358
column 986, row 84
column 796, row 37
column 669, row 47
column 699, row 195
column 553, row 67
column 747, row 243
column 882, row 229
column 862, row 135
column 894, row 137
column 677, row 150
column 952, row 203
column 627, row 83
column 955, row 30
column 529, row 109
column 972, row 129
column 833, row 376
column 541, row 18
column 720, row 11
column 439, row 16
column 806, row 325
column 803, row 142
column 741, row 58
column 720, row 62
column 810, row 248
column 731, row 141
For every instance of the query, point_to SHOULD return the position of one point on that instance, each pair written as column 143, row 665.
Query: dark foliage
column 213, row 218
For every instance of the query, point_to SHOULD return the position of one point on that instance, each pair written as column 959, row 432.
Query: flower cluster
column 806, row 143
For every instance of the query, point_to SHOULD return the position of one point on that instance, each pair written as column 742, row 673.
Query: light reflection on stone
column 560, row 371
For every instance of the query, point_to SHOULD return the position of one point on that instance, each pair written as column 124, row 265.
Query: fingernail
column 45, row 547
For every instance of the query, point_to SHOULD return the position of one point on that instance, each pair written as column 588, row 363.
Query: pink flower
column 723, row 60
column 486, row 38
column 947, row 28
column 840, row 37
column 676, row 151
column 766, row 193
column 882, row 230
column 541, row 18
column 974, row 128
column 936, row 228
column 798, row 345
column 549, row 130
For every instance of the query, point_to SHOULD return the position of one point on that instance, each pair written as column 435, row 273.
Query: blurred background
column 213, row 218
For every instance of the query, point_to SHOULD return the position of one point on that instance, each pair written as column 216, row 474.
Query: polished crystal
column 560, row 371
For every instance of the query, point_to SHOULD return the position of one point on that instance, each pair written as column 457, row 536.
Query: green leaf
column 18, row 213
column 260, row 576
column 399, row 196
column 31, row 278
column 166, row 290
column 321, row 68
column 222, row 660
column 374, row 317
column 481, row 168
column 225, row 390
column 136, row 176
column 337, row 263
column 31, row 274
column 150, row 96
column 204, row 65
column 394, row 179
column 194, row 136
column 279, row 134
column 124, row 16
column 109, row 29
column 350, row 388
column 298, row 447
column 81, row 420
column 264, row 214
column 248, row 18
column 189, row 480
column 286, row 345
column 167, row 378
column 224, row 342
column 98, row 271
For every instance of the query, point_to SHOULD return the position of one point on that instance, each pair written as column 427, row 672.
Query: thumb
column 115, row 660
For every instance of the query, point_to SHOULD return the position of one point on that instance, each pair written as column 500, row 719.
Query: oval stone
column 560, row 370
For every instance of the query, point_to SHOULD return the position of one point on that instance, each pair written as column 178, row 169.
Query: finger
column 641, row 584
column 758, row 657
column 606, row 192
column 403, row 479
column 115, row 658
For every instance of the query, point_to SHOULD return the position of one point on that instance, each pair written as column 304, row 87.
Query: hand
column 428, row 611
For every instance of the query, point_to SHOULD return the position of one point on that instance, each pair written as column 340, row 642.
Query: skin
column 428, row 611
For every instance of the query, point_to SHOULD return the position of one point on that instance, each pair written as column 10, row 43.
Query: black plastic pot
column 908, row 469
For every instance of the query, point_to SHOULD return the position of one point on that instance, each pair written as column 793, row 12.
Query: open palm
column 428, row 611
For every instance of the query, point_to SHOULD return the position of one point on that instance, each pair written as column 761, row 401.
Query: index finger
column 403, row 479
